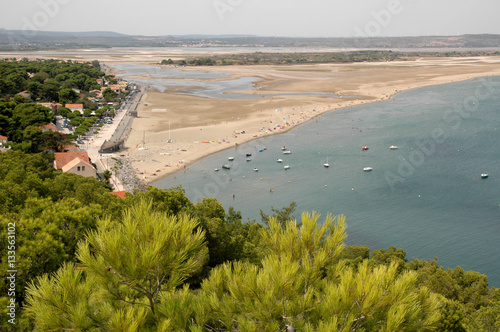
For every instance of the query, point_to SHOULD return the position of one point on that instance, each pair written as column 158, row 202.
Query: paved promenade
column 123, row 176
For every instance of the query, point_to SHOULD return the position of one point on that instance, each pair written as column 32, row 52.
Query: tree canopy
column 88, row 260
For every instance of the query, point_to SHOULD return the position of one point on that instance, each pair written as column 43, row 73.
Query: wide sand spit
column 174, row 130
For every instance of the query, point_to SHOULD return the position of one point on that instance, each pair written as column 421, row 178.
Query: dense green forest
column 52, row 81
column 48, row 80
column 154, row 261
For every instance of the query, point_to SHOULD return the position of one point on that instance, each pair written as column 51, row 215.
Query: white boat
column 279, row 160
column 216, row 169
column 226, row 166
column 367, row 169
column 248, row 159
column 484, row 175
column 255, row 169
column 230, row 158
column 393, row 147
column 287, row 152
column 326, row 164
column 286, row 167
column 283, row 148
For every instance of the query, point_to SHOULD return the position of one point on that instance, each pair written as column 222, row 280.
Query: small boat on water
column 326, row 164
column 286, row 167
column 287, row 152
column 226, row 167
column 248, row 159
column 365, row 148
column 248, row 154
column 216, row 169
column 484, row 175
column 367, row 169
column 284, row 147
column 260, row 150
column 279, row 160
column 255, row 169
column 230, row 158
column 393, row 147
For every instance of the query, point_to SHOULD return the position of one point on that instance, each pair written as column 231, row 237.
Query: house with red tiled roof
column 53, row 106
column 100, row 81
column 75, row 107
column 25, row 94
column 48, row 127
column 74, row 162
column 115, row 87
column 3, row 139
column 121, row 194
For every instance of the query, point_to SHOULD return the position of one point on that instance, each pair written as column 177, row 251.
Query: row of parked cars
column 106, row 119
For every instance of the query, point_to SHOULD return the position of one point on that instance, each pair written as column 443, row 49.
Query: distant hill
column 18, row 40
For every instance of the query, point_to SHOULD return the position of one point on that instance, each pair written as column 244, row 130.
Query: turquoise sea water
column 426, row 197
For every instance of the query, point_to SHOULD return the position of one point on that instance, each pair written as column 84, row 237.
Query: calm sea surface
column 426, row 197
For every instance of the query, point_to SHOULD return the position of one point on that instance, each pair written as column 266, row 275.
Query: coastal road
column 112, row 132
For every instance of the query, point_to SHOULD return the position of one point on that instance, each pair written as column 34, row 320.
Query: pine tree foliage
column 300, row 286
column 144, row 254
column 65, row 301
column 125, row 266
column 132, row 272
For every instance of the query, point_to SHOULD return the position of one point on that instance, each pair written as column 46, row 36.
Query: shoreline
column 192, row 129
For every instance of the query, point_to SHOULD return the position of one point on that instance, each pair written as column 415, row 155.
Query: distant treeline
column 20, row 40
column 263, row 58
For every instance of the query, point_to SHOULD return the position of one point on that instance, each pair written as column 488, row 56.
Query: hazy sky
column 312, row 18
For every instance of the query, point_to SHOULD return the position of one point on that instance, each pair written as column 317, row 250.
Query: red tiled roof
column 48, row 126
column 4, row 138
column 120, row 194
column 62, row 158
column 74, row 105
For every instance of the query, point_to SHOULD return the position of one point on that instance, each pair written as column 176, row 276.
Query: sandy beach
column 201, row 126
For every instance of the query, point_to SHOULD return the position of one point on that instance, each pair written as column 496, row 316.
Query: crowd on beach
column 126, row 173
